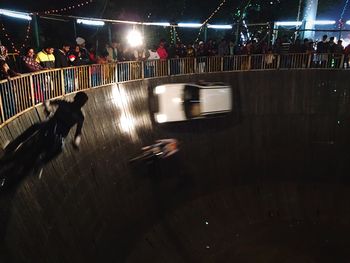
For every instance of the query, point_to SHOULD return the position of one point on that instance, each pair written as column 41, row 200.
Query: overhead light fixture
column 220, row 26
column 156, row 24
column 299, row 23
column 288, row 23
column 90, row 22
column 15, row 14
column 324, row 22
column 190, row 25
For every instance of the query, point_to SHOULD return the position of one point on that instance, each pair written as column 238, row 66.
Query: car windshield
column 191, row 102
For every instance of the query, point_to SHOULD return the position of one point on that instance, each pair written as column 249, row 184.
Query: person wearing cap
column 46, row 57
column 201, row 53
column 84, row 53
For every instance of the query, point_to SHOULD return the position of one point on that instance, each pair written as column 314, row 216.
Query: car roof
column 206, row 84
column 200, row 84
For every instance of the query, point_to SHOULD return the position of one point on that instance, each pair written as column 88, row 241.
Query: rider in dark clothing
column 65, row 117
column 53, row 131
column 42, row 142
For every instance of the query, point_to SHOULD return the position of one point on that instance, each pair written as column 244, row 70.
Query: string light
column 172, row 39
column 28, row 31
column 11, row 42
column 177, row 35
column 64, row 9
column 210, row 17
column 174, row 36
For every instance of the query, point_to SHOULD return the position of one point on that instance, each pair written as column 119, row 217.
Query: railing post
column 2, row 106
column 31, row 81
column 309, row 61
column 142, row 69
column 116, row 72
column 195, row 65
column 342, row 61
column 62, row 82
column 278, row 61
column 263, row 61
column 90, row 76
column 168, row 62
column 222, row 63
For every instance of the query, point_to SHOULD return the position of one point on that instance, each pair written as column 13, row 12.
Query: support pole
column 36, row 32
column 310, row 15
column 109, row 34
column 75, row 29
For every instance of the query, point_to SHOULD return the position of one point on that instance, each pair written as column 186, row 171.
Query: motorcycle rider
column 162, row 149
column 63, row 115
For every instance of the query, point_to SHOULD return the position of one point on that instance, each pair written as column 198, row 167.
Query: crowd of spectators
column 78, row 54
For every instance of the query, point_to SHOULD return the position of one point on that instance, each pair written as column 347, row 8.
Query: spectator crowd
column 78, row 54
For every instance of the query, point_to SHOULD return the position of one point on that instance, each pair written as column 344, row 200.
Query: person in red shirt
column 162, row 52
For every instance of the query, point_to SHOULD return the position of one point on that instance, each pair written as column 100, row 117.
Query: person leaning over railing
column 6, row 72
column 29, row 64
column 322, row 50
column 83, row 52
column 3, row 53
column 62, row 61
column 7, row 90
column 151, row 57
column 201, row 54
column 61, row 56
column 46, row 57
column 338, row 54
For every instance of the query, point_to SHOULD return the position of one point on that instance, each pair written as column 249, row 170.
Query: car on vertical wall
column 186, row 101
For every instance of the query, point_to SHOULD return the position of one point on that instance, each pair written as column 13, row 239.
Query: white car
column 182, row 101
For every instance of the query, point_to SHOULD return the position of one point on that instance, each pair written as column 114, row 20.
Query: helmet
column 172, row 146
column 80, row 99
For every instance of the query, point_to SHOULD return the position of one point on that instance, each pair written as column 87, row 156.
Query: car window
column 191, row 101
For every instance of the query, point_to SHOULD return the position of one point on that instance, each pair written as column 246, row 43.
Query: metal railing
column 26, row 91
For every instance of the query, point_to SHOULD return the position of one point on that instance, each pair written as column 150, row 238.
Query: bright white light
column 120, row 97
column 157, row 23
column 160, row 118
column 90, row 22
column 296, row 23
column 192, row 25
column 288, row 23
column 324, row 22
column 220, row 26
column 135, row 38
column 348, row 22
column 127, row 123
column 15, row 14
column 346, row 42
column 177, row 100
column 159, row 89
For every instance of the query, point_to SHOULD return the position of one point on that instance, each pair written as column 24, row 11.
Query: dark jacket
column 66, row 116
column 61, row 59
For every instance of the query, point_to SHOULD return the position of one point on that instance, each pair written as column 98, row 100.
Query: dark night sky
column 170, row 10
column 153, row 10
